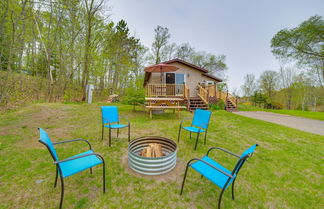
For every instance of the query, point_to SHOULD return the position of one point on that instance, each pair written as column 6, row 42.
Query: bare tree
column 185, row 52
column 170, row 51
column 287, row 76
column 92, row 7
column 268, row 83
column 161, row 39
column 249, row 86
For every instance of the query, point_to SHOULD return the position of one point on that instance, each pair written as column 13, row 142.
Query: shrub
column 134, row 97
column 220, row 105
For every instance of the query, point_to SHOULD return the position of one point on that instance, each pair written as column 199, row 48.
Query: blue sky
column 241, row 30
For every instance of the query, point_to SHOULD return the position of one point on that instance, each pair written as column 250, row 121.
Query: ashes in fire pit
column 152, row 155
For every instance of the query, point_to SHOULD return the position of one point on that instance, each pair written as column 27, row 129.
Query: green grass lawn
column 285, row 172
column 298, row 113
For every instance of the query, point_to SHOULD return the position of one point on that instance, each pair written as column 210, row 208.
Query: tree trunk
column 4, row 94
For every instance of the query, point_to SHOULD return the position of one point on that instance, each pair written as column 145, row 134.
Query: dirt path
column 304, row 124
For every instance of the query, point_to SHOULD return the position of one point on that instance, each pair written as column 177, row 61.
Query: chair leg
column 56, row 178
column 184, row 179
column 62, row 192
column 104, row 176
column 179, row 133
column 128, row 133
column 205, row 137
column 102, row 132
column 109, row 137
column 233, row 189
column 190, row 134
column 220, row 199
column 197, row 140
column 117, row 132
column 90, row 170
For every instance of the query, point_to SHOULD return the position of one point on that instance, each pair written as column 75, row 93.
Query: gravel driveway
column 304, row 124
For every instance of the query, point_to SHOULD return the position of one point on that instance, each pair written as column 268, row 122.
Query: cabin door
column 170, row 81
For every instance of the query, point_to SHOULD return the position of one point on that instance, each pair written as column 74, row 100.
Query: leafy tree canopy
column 301, row 43
column 304, row 44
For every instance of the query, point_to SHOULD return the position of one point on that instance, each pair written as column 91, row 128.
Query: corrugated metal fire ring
column 148, row 165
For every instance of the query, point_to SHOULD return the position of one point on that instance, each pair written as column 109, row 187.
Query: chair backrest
column 249, row 151
column 45, row 139
column 109, row 114
column 200, row 118
column 245, row 155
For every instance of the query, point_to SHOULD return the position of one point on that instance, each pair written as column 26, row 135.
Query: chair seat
column 116, row 126
column 193, row 129
column 212, row 174
column 75, row 166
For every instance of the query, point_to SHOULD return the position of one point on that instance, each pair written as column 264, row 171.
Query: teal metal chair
column 215, row 172
column 74, row 164
column 110, row 120
column 199, row 124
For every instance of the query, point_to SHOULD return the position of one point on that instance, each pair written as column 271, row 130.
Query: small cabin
column 188, row 87
column 188, row 74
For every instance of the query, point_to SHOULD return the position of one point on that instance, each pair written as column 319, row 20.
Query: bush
column 220, row 105
column 134, row 97
column 300, row 107
column 277, row 105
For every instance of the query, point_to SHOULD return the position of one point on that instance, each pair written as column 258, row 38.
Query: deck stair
column 229, row 106
column 196, row 103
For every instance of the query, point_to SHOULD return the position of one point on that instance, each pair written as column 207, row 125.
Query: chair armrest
column 224, row 150
column 125, row 117
column 184, row 120
column 228, row 175
column 81, row 156
column 73, row 140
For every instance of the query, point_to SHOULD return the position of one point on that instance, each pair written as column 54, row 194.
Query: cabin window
column 180, row 78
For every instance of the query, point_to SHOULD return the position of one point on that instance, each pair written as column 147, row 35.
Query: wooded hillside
column 65, row 45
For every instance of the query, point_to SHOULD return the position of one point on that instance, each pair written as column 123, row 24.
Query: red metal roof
column 186, row 63
column 205, row 72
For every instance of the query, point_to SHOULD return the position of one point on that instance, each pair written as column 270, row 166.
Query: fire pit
column 152, row 155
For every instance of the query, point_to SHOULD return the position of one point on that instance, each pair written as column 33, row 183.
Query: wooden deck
column 177, row 97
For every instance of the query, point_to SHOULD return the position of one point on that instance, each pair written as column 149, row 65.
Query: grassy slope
column 298, row 113
column 285, row 172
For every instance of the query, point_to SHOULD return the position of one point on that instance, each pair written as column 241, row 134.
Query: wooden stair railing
column 186, row 95
column 232, row 99
column 203, row 94
column 227, row 97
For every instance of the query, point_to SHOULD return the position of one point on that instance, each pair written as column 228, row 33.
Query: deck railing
column 203, row 94
column 167, row 90
column 227, row 96
column 211, row 90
